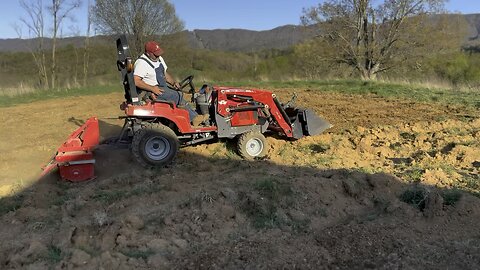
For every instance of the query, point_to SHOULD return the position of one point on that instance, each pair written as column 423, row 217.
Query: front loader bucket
column 313, row 125
column 306, row 123
column 74, row 157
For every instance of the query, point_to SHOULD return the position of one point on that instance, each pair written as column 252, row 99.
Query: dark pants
column 176, row 97
column 170, row 94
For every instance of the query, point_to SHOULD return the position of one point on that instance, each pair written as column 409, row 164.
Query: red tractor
column 156, row 129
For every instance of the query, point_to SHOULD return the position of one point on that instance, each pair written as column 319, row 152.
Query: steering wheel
column 187, row 81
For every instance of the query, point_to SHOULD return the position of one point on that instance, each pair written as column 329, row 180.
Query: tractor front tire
column 155, row 145
column 252, row 145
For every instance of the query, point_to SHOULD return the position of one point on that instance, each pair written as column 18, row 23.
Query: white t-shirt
column 143, row 70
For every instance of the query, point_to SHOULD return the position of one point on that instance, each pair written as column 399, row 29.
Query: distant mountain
column 474, row 26
column 231, row 39
column 248, row 40
column 25, row 45
column 219, row 39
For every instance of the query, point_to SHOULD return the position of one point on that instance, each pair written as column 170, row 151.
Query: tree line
column 140, row 19
column 360, row 38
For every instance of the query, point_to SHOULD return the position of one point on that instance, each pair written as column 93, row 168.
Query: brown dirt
column 336, row 200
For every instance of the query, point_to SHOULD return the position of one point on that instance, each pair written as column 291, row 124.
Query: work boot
column 199, row 119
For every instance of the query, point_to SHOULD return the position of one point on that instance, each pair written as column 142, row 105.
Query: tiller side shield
column 74, row 158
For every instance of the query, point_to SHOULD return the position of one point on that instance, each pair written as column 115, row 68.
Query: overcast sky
column 209, row 14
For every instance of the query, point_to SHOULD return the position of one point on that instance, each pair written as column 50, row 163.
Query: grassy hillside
column 422, row 93
column 416, row 92
column 19, row 73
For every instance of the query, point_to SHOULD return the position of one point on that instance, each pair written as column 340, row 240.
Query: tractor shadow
column 77, row 122
column 206, row 212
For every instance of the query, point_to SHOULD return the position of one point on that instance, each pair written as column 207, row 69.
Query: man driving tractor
column 150, row 74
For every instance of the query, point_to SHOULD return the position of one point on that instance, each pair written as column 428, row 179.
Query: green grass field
column 6, row 101
column 420, row 93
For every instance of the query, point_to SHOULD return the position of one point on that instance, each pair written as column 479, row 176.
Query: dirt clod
column 433, row 205
column 80, row 257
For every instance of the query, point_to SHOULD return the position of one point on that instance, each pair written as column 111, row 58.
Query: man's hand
column 156, row 90
column 172, row 81
column 142, row 85
column 176, row 85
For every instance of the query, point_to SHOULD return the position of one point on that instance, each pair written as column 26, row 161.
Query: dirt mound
column 269, row 216
column 388, row 187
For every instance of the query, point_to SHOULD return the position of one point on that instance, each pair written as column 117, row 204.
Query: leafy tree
column 313, row 59
column 141, row 19
column 368, row 35
column 459, row 68
column 416, row 49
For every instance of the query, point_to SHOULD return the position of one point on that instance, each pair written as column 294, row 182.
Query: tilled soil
column 393, row 185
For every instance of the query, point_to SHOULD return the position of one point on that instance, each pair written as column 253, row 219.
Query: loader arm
column 231, row 100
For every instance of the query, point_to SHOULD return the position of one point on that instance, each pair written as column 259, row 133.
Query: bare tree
column 86, row 47
column 35, row 23
column 18, row 29
column 60, row 9
column 366, row 34
column 138, row 18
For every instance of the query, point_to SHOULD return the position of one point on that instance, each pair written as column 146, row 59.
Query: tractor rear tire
column 155, row 145
column 252, row 145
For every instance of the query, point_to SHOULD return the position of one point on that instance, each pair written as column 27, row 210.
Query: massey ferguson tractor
column 155, row 130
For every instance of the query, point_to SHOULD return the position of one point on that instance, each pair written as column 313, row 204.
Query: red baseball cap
column 153, row 47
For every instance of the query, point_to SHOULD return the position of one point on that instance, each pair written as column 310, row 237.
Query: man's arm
column 142, row 85
column 171, row 80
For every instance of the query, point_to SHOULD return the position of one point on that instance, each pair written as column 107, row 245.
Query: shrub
column 415, row 196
